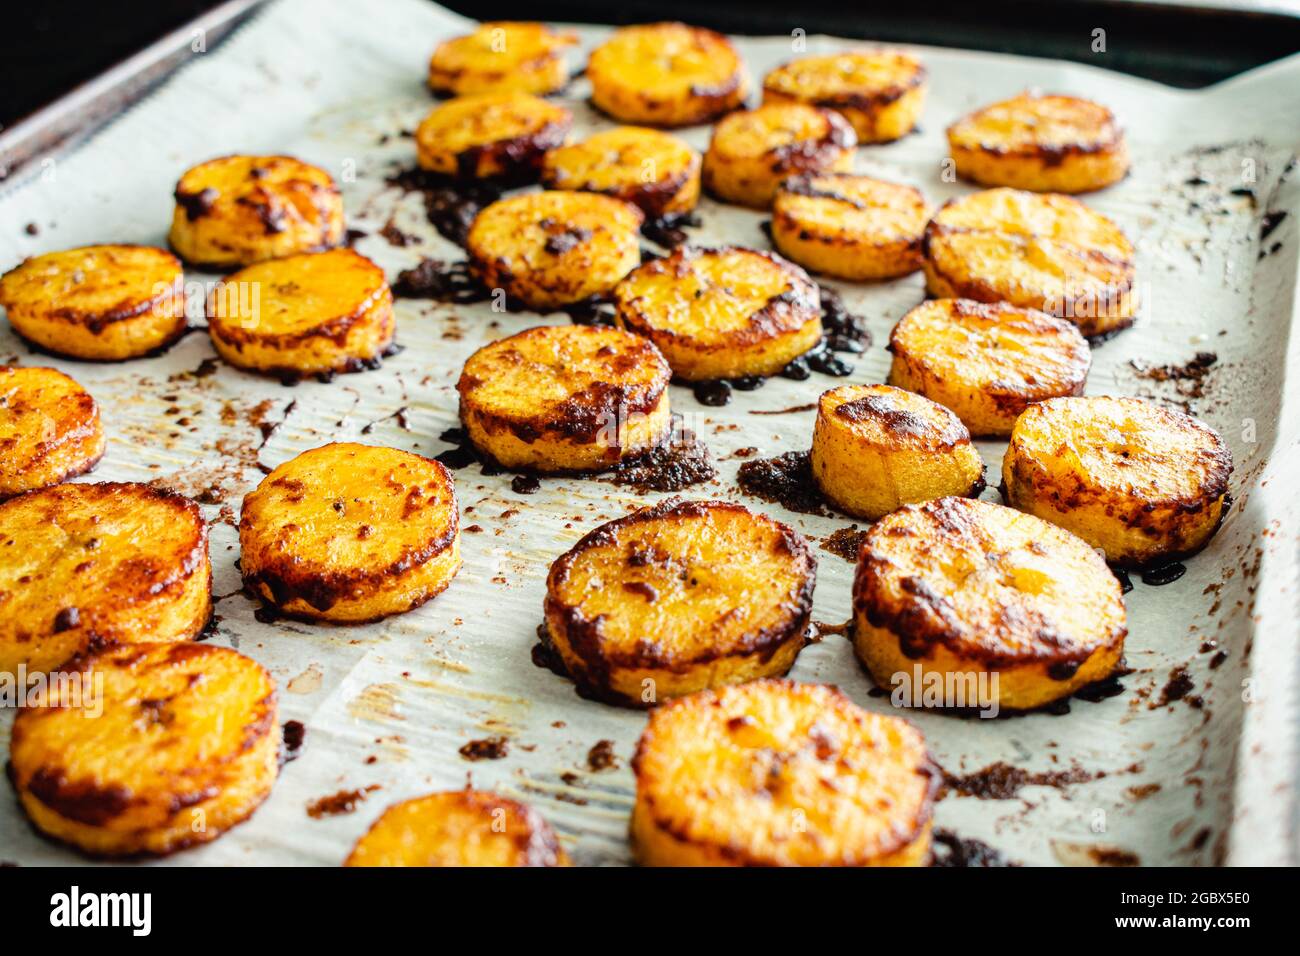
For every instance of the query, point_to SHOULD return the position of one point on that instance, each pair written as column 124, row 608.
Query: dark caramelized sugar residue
column 337, row 804
column 670, row 231
column 1180, row 684
column 786, row 480
column 489, row 748
column 952, row 850
column 845, row 332
column 680, row 462
column 1189, row 380
column 440, row 281
column 1002, row 781
column 845, row 543
column 462, row 455
column 842, row 331
column 1107, row 687
column 596, row 310
column 294, row 735
column 450, row 204
column 525, row 484
column 601, row 756
column 1165, row 574
column 545, row 656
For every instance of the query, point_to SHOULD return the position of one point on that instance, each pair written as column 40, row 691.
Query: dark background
column 49, row 46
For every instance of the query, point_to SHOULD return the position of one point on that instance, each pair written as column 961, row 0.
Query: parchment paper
column 1206, row 777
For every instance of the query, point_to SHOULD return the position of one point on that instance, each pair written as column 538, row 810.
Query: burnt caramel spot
column 601, row 756
column 337, row 804
column 525, row 484
column 567, row 238
column 489, row 748
column 196, row 205
column 293, row 735
column 886, row 411
column 82, row 801
column 1002, row 781
column 641, row 589
column 66, row 619
column 845, row 543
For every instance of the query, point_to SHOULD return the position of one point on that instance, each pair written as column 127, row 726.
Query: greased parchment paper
column 1195, row 762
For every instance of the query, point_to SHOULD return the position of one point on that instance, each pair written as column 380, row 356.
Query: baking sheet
column 1151, row 776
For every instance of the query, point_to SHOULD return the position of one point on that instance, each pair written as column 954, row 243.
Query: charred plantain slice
column 997, row 607
column 753, row 151
column 566, row 398
column 237, row 210
column 1142, row 483
column 722, row 313
column 49, row 429
column 654, row 171
column 151, row 749
column 881, row 92
column 502, row 56
column 987, row 363
column 459, row 828
column 1047, row 252
column 677, row 598
column 850, row 227
column 97, row 303
column 85, row 565
column 552, row 249
column 876, row 448
column 1044, row 143
column 491, row 135
column 775, row 773
column 312, row 314
column 351, row 533
column 666, row 74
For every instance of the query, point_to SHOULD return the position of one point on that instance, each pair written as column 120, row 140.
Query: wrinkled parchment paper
column 1202, row 778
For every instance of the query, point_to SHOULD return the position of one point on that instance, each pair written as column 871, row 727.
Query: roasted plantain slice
column 238, row 210
column 722, row 313
column 1045, row 143
column 150, row 748
column 313, row 314
column 565, row 398
column 996, row 607
column 775, row 773
column 351, row 533
column 98, row 564
column 49, row 429
column 881, row 92
column 1045, row 252
column 502, row 56
column 548, row 250
column 677, row 598
column 654, row 171
column 876, row 448
column 987, row 363
column 491, row 135
column 753, row 151
column 850, row 227
column 459, row 828
column 666, row 74
column 1144, row 484
column 99, row 303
